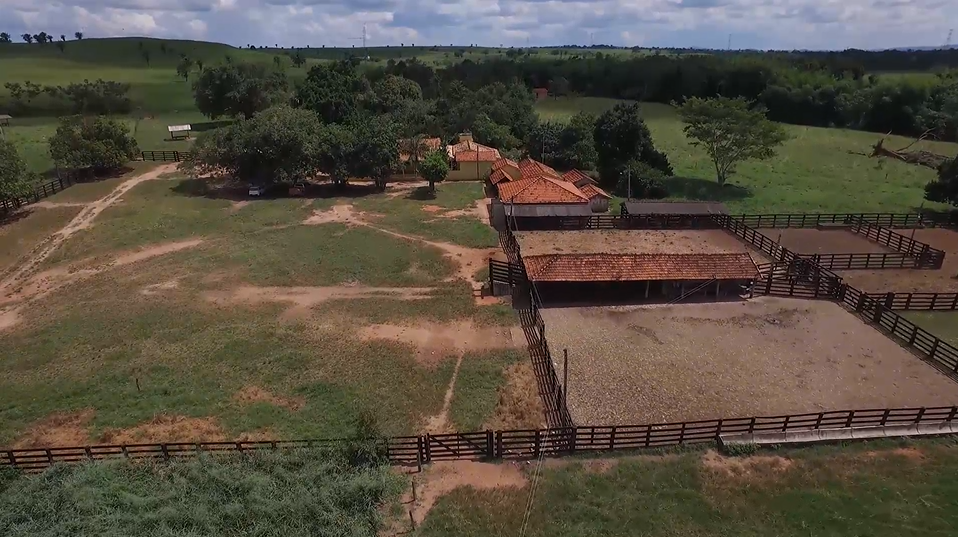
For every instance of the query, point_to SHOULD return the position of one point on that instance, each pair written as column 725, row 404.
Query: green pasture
column 881, row 489
column 817, row 170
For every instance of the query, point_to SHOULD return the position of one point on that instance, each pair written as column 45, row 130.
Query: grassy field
column 943, row 324
column 270, row 494
column 879, row 489
column 818, row 169
column 253, row 328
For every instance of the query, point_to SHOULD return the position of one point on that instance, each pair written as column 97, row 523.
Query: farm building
column 470, row 161
column 635, row 265
column 636, row 208
column 530, row 190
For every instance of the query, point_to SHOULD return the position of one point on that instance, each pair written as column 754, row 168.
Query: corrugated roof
column 674, row 207
column 535, row 211
column 638, row 267
column 540, row 190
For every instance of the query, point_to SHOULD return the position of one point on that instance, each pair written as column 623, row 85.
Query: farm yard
column 331, row 280
column 159, row 314
column 761, row 357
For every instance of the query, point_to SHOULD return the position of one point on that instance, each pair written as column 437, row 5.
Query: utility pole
column 948, row 40
column 729, row 43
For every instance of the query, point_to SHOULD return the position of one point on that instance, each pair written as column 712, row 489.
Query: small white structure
column 179, row 131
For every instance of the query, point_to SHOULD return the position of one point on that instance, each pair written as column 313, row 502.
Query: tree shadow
column 421, row 193
column 210, row 125
column 224, row 189
column 14, row 216
column 694, row 188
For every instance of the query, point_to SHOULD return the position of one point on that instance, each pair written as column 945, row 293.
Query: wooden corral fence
column 511, row 444
column 797, row 278
column 506, row 273
column 860, row 261
column 613, row 221
column 45, row 190
column 165, row 156
column 924, row 255
column 917, row 301
column 812, row 220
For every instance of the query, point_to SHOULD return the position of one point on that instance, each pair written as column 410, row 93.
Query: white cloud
column 753, row 23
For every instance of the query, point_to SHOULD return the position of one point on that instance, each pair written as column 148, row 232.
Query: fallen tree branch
column 920, row 157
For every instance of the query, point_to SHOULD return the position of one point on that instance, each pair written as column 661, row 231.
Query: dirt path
column 304, row 298
column 83, row 220
column 439, row 424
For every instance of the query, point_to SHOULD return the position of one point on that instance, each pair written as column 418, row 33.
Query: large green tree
column 392, row 92
column 278, row 145
column 13, row 171
column 731, row 131
column 620, row 136
column 101, row 143
column 945, row 188
column 238, row 89
column 375, row 152
column 434, row 168
column 335, row 91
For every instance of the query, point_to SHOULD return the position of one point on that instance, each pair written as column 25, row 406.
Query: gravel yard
column 706, row 241
column 766, row 356
column 944, row 279
column 823, row 241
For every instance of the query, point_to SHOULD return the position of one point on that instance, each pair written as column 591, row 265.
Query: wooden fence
column 506, row 273
column 43, row 191
column 612, row 221
column 917, row 301
column 924, row 255
column 860, row 261
column 811, row 220
column 513, row 444
column 165, row 156
column 936, row 351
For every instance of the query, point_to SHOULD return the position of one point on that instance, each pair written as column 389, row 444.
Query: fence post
column 612, row 439
column 851, row 418
column 49, row 455
column 500, row 453
column 951, row 415
column 419, row 453
column 751, row 426
column 934, row 348
column 428, row 449
column 884, row 417
column 648, row 435
column 536, row 446
column 490, row 445
column 166, row 454
column 12, row 458
column 818, row 422
column 921, row 413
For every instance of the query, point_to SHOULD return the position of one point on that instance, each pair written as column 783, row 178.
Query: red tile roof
column 503, row 162
column 591, row 191
column 431, row 143
column 498, row 176
column 531, row 169
column 638, row 267
column 540, row 190
column 577, row 177
column 481, row 156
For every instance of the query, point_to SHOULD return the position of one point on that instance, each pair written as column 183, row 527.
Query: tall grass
column 278, row 493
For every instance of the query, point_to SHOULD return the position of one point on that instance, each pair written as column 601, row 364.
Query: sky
column 759, row 24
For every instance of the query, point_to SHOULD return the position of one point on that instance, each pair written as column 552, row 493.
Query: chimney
column 465, row 137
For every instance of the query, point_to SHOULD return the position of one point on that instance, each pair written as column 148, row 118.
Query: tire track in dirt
column 82, row 221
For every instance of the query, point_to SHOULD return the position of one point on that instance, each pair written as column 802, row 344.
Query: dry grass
column 767, row 356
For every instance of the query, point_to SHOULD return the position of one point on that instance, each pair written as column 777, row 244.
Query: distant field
column 818, row 169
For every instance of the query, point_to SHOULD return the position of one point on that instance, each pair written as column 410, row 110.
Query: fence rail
column 925, row 256
column 165, row 156
column 860, row 261
column 507, row 273
column 917, row 301
column 811, row 220
column 512, row 444
column 43, row 191
column 936, row 351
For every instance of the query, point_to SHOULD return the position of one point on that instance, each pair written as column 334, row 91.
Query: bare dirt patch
column 46, row 282
column 63, row 429
column 437, row 341
column 441, row 478
column 235, row 206
column 764, row 357
column 55, row 205
column 823, row 241
column 705, row 241
column 343, row 214
column 519, row 405
column 302, row 299
column 82, row 221
column 943, row 280
column 754, row 468
column 165, row 428
column 432, row 209
column 158, row 288
column 910, row 453
column 255, row 394
column 9, row 318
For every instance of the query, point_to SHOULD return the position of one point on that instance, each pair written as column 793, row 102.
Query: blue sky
column 778, row 24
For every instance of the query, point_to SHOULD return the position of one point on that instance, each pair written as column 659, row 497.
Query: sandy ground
column 911, row 280
column 441, row 478
column 824, row 241
column 706, row 241
column 766, row 356
column 302, row 299
column 437, row 341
